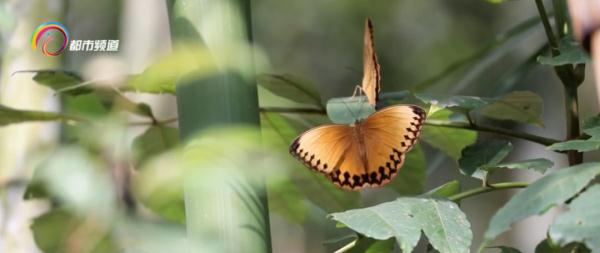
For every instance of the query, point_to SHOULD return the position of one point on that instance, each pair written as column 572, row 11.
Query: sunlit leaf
column 520, row 106
column 59, row 231
column 479, row 158
column 74, row 177
column 537, row 198
column 348, row 110
column 580, row 223
column 444, row 224
column 450, row 140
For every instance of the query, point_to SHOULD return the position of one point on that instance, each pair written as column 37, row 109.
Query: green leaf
column 291, row 87
column 590, row 144
column 505, row 249
column 442, row 221
column 158, row 186
column 520, row 106
column 59, row 80
column 591, row 127
column 581, row 222
column 449, row 140
column 570, row 53
column 539, row 165
column 477, row 160
column 453, row 102
column 75, row 178
column 14, row 116
column 349, row 109
column 58, row 231
column 411, row 179
column 368, row 245
column 157, row 139
column 445, row 190
column 547, row 246
column 550, row 190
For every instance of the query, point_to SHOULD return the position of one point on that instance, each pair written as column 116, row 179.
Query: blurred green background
column 466, row 47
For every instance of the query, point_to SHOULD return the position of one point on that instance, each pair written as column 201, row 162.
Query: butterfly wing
column 388, row 135
column 323, row 148
column 369, row 154
column 371, row 71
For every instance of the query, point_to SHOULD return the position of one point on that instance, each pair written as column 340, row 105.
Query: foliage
column 104, row 192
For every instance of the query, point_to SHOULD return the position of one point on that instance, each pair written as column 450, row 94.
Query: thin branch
column 547, row 27
column 159, row 122
column 293, row 110
column 489, row 188
column 347, row 247
column 496, row 130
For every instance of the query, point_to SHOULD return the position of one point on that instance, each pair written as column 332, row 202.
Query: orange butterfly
column 369, row 152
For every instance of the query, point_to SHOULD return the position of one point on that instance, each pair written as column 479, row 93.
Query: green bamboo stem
column 230, row 213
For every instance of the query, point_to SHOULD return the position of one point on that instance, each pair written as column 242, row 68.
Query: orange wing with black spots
column 367, row 154
column 371, row 69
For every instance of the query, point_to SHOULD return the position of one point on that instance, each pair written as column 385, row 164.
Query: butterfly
column 369, row 152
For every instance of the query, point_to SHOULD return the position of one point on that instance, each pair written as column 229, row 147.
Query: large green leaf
column 59, row 231
column 411, row 178
column 349, row 109
column 64, row 81
column 442, row 221
column 450, row 140
column 581, row 223
column 520, row 106
column 157, row 139
column 540, row 196
column 479, row 158
column 570, row 53
column 291, row 87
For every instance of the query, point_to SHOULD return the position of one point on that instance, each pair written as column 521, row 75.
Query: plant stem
column 489, row 188
column 547, row 27
column 567, row 74
column 293, row 110
column 347, row 247
column 496, row 130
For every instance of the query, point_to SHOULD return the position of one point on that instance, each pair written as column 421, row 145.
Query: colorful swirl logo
column 48, row 30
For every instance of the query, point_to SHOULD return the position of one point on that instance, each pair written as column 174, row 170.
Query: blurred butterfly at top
column 370, row 151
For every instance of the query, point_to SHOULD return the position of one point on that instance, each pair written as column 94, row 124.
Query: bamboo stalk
column 231, row 213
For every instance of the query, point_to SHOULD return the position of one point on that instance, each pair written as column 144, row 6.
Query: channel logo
column 47, row 33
